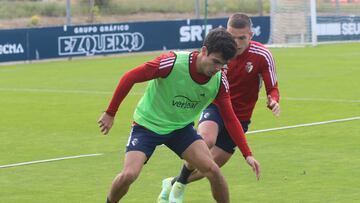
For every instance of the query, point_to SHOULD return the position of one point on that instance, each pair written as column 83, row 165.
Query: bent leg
column 133, row 163
column 220, row 157
column 198, row 155
column 208, row 130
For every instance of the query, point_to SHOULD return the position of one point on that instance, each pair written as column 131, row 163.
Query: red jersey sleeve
column 231, row 122
column 268, row 73
column 158, row 67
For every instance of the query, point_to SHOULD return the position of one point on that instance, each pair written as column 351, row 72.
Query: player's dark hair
column 220, row 41
column 239, row 21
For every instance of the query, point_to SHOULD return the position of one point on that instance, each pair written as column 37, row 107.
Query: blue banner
column 13, row 45
column 103, row 39
column 338, row 28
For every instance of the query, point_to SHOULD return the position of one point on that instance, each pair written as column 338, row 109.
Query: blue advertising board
column 13, row 45
column 338, row 28
column 103, row 39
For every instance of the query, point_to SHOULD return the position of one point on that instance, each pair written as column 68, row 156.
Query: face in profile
column 212, row 63
column 242, row 37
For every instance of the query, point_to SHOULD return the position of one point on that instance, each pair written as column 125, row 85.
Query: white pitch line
column 36, row 90
column 317, row 99
column 320, row 99
column 53, row 91
column 304, row 125
column 48, row 160
column 250, row 132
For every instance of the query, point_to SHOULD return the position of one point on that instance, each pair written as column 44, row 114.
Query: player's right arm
column 159, row 67
column 233, row 126
column 268, row 73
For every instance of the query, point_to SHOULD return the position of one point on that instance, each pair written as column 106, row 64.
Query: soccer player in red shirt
column 252, row 65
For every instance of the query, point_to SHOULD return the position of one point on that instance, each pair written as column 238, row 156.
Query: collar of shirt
column 197, row 77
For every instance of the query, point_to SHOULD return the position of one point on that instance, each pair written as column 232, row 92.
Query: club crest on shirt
column 224, row 71
column 249, row 66
column 135, row 141
column 206, row 115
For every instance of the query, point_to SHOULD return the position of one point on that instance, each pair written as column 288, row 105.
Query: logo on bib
column 183, row 102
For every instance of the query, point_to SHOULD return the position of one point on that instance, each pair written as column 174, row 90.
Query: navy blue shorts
column 144, row 140
column 223, row 141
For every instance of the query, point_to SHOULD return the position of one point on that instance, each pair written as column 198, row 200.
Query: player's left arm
column 233, row 126
column 268, row 73
column 147, row 71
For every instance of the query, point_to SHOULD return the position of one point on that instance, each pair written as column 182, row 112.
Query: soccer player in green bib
column 181, row 85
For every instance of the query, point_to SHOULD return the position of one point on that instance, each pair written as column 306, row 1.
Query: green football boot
column 177, row 193
column 165, row 191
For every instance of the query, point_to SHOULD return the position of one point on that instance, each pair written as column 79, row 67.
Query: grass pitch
column 50, row 110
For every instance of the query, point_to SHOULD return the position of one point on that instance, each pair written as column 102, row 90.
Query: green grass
column 50, row 110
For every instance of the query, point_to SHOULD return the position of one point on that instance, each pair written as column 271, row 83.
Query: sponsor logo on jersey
column 249, row 66
column 183, row 102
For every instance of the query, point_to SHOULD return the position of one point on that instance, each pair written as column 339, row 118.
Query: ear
column 251, row 34
column 204, row 50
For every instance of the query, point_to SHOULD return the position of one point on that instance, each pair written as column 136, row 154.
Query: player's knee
column 209, row 138
column 211, row 170
column 214, row 169
column 128, row 176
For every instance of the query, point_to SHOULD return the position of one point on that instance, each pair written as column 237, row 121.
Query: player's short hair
column 239, row 21
column 220, row 41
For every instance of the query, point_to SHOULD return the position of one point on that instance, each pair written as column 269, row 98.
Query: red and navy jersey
column 245, row 75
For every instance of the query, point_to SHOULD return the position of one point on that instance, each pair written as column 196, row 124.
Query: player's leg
column 133, row 163
column 222, row 151
column 220, row 157
column 190, row 146
column 198, row 155
column 209, row 124
column 208, row 130
column 140, row 147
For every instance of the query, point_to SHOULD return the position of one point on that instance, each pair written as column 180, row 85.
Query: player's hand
column 254, row 165
column 273, row 105
column 105, row 123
